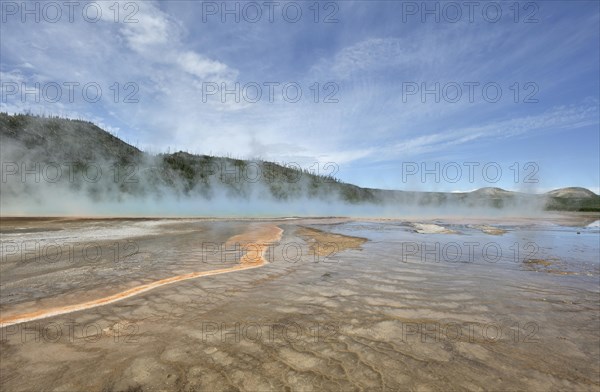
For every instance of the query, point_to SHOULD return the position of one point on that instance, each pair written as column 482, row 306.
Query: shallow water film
column 300, row 304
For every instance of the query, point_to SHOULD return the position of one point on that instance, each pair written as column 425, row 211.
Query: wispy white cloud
column 169, row 57
column 558, row 118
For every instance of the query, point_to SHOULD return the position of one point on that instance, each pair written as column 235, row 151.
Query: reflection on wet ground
column 420, row 305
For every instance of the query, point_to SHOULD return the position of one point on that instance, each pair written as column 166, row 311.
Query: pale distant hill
column 572, row 199
column 26, row 139
column 493, row 192
column 573, row 192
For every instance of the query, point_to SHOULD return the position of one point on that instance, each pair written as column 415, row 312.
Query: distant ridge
column 572, row 192
column 28, row 138
column 493, row 192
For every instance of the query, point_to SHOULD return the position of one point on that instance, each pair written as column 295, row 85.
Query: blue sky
column 369, row 58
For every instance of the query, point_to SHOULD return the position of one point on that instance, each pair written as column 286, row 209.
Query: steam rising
column 58, row 167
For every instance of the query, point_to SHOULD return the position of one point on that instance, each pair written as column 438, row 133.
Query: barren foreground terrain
column 299, row 304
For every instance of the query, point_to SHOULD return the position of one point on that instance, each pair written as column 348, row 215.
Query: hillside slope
column 80, row 150
column 42, row 156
